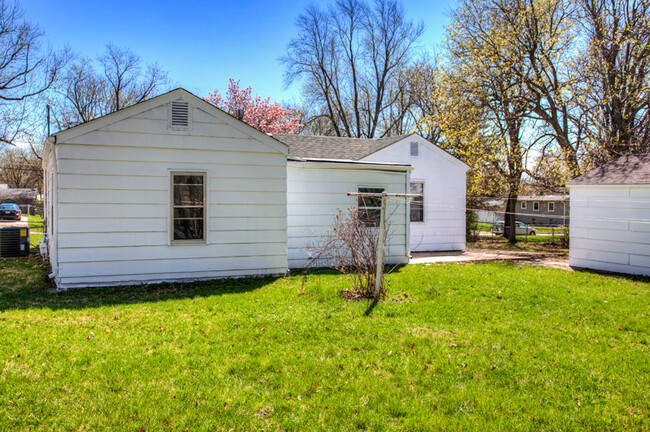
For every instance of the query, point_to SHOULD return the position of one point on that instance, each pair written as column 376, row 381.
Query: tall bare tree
column 20, row 168
column 351, row 60
column 27, row 70
column 86, row 93
column 616, row 95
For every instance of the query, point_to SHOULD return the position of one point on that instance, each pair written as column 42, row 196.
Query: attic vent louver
column 415, row 148
column 180, row 114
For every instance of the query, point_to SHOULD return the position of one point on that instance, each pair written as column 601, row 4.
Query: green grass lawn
column 34, row 240
column 35, row 223
column 524, row 244
column 474, row 347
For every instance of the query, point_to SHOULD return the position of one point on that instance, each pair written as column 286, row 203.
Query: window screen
column 369, row 207
column 188, row 206
column 417, row 204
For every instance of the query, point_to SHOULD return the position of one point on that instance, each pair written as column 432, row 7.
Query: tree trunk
column 509, row 225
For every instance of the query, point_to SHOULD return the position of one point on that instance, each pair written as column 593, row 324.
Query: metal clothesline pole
column 379, row 276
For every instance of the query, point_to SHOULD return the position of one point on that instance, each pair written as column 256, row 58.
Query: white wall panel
column 444, row 194
column 313, row 205
column 608, row 231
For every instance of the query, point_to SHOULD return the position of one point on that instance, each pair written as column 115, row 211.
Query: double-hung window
column 417, row 203
column 188, row 206
column 369, row 207
column 551, row 207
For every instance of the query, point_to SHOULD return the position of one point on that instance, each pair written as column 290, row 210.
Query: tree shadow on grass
column 24, row 285
column 371, row 307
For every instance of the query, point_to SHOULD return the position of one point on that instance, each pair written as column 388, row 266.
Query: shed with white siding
column 437, row 222
column 168, row 189
column 610, row 217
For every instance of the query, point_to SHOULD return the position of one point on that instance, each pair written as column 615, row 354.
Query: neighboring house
column 18, row 196
column 437, row 221
column 543, row 209
column 175, row 189
column 610, row 217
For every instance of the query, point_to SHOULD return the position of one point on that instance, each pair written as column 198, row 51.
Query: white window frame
column 524, row 205
column 551, row 204
column 423, row 215
column 414, row 145
column 204, row 174
column 536, row 206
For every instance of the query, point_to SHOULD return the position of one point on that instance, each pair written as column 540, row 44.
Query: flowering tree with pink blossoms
column 260, row 113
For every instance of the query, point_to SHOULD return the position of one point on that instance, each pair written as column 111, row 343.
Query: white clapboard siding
column 112, row 223
column 444, row 177
column 316, row 191
column 137, row 253
column 141, row 140
column 610, row 228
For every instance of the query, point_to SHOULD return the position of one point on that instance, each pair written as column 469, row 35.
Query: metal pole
column 380, row 246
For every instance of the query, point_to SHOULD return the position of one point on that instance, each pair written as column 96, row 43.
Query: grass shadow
column 25, row 286
column 371, row 307
column 630, row 277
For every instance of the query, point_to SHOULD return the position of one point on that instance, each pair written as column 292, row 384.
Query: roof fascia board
column 117, row 116
column 608, row 185
column 163, row 99
column 242, row 126
column 349, row 166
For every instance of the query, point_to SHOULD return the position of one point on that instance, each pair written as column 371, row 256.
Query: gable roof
column 558, row 197
column 624, row 170
column 328, row 147
column 179, row 93
column 19, row 195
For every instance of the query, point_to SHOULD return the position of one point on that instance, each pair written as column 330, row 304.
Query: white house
column 610, row 217
column 437, row 222
column 175, row 189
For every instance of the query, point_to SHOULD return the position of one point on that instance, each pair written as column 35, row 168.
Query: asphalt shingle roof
column 627, row 169
column 326, row 147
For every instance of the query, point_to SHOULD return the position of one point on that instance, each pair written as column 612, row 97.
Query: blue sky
column 201, row 43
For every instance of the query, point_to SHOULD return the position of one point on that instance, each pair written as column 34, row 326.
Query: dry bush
column 351, row 248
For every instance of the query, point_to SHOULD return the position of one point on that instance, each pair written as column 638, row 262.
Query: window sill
column 188, row 243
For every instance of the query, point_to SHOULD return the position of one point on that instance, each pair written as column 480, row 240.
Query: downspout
column 55, row 220
column 407, row 217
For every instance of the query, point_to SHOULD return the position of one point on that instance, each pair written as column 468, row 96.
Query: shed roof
column 19, row 195
column 543, row 198
column 328, row 147
column 624, row 170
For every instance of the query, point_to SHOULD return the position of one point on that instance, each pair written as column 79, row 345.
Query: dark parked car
column 9, row 211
